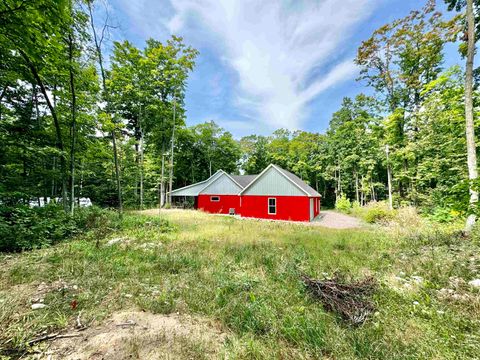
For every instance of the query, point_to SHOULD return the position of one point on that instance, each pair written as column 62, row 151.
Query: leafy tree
column 254, row 149
column 472, row 19
column 398, row 61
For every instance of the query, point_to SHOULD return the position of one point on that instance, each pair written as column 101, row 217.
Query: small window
column 272, row 206
column 214, row 198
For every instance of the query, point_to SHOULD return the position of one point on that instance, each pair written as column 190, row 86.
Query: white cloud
column 274, row 47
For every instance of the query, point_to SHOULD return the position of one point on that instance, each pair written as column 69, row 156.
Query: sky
column 264, row 65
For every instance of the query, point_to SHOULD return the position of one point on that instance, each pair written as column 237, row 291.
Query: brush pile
column 351, row 300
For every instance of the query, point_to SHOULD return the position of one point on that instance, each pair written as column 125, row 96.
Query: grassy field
column 243, row 278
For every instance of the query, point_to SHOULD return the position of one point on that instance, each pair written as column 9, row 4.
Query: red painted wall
column 295, row 208
column 221, row 207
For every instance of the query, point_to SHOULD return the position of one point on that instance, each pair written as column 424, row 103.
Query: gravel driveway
column 336, row 220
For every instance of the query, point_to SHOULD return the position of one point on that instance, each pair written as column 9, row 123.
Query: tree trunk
column 162, row 178
column 389, row 179
column 336, row 184
column 80, row 192
column 73, row 110
column 141, row 169
column 470, row 129
column 53, row 112
column 356, row 188
column 363, row 196
column 339, row 181
column 140, row 129
column 117, row 174
column 54, row 168
column 373, row 190
column 98, row 49
column 170, row 181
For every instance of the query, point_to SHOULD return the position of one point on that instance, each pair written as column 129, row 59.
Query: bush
column 343, row 204
column 444, row 215
column 378, row 212
column 25, row 228
column 356, row 205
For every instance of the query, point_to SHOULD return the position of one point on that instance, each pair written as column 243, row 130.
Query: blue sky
column 265, row 65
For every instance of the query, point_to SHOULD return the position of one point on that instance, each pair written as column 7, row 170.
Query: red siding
column 295, row 208
column 219, row 207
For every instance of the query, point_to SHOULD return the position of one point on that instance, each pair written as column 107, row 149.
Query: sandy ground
column 141, row 335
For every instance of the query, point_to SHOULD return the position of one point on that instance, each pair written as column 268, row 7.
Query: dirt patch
column 142, row 335
column 335, row 220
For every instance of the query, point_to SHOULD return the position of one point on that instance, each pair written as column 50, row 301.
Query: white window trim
column 268, row 206
column 211, row 198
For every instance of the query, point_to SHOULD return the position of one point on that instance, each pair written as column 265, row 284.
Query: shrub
column 356, row 205
column 25, row 228
column 444, row 215
column 408, row 216
column 378, row 212
column 343, row 204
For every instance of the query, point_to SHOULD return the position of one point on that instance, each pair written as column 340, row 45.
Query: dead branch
column 127, row 323
column 352, row 300
column 52, row 336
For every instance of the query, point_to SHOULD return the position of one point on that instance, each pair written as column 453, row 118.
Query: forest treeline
column 84, row 116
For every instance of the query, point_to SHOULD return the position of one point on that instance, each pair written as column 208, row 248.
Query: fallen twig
column 63, row 336
column 52, row 336
column 43, row 338
column 350, row 300
column 127, row 323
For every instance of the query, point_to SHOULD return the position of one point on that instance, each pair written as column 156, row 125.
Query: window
column 272, row 206
column 214, row 198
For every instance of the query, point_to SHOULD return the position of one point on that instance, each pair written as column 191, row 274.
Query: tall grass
column 245, row 274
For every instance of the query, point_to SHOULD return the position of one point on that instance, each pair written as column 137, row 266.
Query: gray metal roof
column 299, row 182
column 194, row 189
column 243, row 180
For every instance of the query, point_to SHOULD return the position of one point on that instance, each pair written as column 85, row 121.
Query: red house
column 275, row 194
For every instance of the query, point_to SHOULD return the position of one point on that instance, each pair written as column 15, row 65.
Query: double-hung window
column 272, row 206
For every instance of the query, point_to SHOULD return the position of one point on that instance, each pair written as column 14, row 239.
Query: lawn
column 242, row 278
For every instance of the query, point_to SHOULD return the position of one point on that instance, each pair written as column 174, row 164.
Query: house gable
column 223, row 185
column 194, row 189
column 273, row 182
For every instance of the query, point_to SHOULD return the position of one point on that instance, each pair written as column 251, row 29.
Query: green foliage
column 202, row 150
column 444, row 215
column 343, row 204
column 355, row 205
column 378, row 212
column 24, row 228
column 417, row 110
